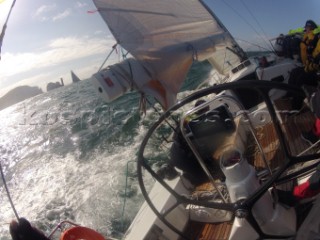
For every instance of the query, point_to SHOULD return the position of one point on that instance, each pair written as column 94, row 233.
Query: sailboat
column 245, row 135
column 74, row 77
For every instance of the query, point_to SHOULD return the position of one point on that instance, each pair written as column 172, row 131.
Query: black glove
column 23, row 230
column 310, row 49
column 314, row 180
column 316, row 59
column 287, row 198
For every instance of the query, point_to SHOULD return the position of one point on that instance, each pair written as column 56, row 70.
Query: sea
column 68, row 155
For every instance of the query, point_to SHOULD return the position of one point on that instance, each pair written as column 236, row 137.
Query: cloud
column 99, row 32
column 48, row 13
column 45, row 9
column 81, row 4
column 4, row 10
column 62, row 15
column 59, row 51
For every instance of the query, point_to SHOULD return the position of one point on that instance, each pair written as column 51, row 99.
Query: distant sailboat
column 74, row 77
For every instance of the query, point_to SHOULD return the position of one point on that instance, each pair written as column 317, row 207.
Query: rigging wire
column 264, row 36
column 253, row 44
column 5, row 26
column 113, row 49
column 245, row 20
column 158, row 112
column 8, row 193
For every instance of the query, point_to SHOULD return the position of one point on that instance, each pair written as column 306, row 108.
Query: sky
column 46, row 39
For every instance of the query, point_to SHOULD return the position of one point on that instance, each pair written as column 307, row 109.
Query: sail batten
column 167, row 36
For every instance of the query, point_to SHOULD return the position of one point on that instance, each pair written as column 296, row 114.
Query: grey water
column 65, row 155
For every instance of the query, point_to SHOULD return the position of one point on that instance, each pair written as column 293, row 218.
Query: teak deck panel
column 293, row 126
column 206, row 231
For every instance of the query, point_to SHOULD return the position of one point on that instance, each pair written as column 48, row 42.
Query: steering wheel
column 241, row 208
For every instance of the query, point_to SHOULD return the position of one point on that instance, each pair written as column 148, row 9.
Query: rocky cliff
column 18, row 94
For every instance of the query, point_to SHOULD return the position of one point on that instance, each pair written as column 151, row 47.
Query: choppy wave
column 65, row 156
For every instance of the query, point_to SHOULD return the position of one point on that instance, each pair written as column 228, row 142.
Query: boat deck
column 200, row 231
column 293, row 126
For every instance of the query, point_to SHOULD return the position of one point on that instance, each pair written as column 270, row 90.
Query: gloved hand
column 23, row 230
column 314, row 180
column 312, row 64
column 310, row 49
column 287, row 198
column 316, row 59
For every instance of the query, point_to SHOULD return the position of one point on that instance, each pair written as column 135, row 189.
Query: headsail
column 167, row 36
column 74, row 77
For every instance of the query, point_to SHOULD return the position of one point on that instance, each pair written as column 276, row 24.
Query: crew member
column 308, row 41
column 23, row 230
column 313, row 61
column 308, row 189
column 306, row 75
column 313, row 135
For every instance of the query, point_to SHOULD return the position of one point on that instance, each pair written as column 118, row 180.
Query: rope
column 253, row 44
column 248, row 23
column 157, row 111
column 113, row 49
column 256, row 20
column 8, row 193
column 125, row 195
column 5, row 26
column 145, row 100
column 142, row 104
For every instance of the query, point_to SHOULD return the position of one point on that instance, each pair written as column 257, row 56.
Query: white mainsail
column 166, row 36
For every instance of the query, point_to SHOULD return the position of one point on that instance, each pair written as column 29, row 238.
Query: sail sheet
column 166, row 36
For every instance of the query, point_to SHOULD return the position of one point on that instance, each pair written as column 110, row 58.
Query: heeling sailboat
column 74, row 77
column 165, row 38
column 243, row 127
